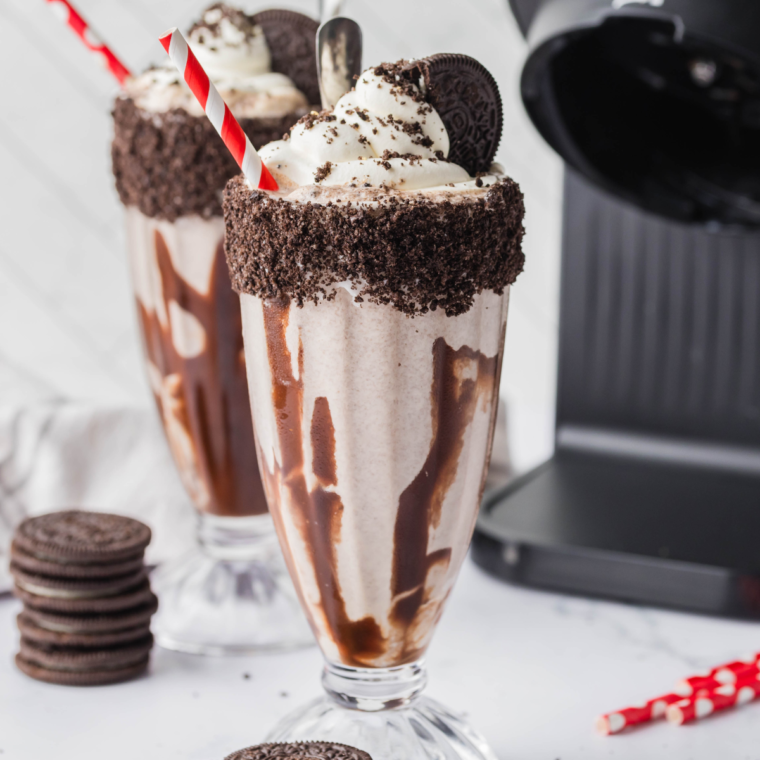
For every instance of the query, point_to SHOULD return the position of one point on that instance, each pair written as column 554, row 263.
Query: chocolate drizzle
column 317, row 513
column 323, row 443
column 462, row 379
column 204, row 399
column 454, row 396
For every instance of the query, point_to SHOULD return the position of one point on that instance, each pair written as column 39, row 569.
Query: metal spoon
column 339, row 58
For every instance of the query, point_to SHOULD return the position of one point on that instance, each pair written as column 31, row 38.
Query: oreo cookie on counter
column 96, row 622
column 77, row 588
column 300, row 751
column 65, row 675
column 58, row 569
column 87, row 605
column 87, row 598
column 31, row 631
column 76, row 537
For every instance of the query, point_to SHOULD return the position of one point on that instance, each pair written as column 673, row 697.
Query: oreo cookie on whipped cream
column 466, row 97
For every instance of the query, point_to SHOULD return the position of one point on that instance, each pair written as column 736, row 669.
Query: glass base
column 394, row 723
column 230, row 595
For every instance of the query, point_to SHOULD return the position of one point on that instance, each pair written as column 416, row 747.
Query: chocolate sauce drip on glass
column 207, row 394
column 453, row 400
column 317, row 513
column 323, row 443
column 455, row 393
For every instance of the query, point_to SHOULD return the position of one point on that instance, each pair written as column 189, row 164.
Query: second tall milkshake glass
column 232, row 593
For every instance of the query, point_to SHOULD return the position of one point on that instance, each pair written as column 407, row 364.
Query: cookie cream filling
column 234, row 53
column 376, row 137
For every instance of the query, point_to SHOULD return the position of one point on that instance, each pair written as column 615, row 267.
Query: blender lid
column 658, row 103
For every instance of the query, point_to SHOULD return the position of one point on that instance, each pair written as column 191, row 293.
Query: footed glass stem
column 381, row 711
column 231, row 594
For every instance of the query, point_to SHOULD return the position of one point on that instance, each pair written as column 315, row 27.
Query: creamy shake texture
column 374, row 289
column 170, row 170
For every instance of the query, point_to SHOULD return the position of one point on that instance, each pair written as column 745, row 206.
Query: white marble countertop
column 530, row 669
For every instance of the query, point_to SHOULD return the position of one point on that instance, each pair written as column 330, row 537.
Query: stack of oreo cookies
column 87, row 598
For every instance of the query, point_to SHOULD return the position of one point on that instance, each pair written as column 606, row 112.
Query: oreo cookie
column 300, row 751
column 291, row 38
column 467, row 99
column 93, row 623
column 78, row 537
column 76, row 588
column 62, row 569
column 31, row 631
column 79, row 660
column 80, row 678
column 135, row 597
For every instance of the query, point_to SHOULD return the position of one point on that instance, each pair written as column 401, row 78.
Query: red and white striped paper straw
column 217, row 111
column 67, row 13
column 705, row 703
column 724, row 674
column 615, row 722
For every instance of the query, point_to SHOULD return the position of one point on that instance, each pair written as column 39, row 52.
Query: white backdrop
column 67, row 327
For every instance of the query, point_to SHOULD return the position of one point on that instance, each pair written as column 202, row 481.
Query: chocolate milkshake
column 374, row 288
column 170, row 168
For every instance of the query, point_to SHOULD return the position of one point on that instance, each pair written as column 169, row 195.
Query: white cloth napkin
column 76, row 455
column 68, row 455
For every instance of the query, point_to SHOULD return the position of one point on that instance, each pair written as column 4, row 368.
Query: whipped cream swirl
column 234, row 53
column 378, row 136
column 228, row 44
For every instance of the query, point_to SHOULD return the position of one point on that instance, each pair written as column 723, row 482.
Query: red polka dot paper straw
column 615, row 722
column 217, row 111
column 724, row 674
column 705, row 703
column 68, row 14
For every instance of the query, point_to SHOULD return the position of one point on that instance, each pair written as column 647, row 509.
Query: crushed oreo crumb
column 290, row 37
column 413, row 253
column 211, row 21
column 412, row 158
column 396, row 75
column 174, row 164
column 323, row 172
column 315, row 117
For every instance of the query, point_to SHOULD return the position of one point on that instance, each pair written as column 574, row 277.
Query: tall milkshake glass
column 232, row 593
column 374, row 290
